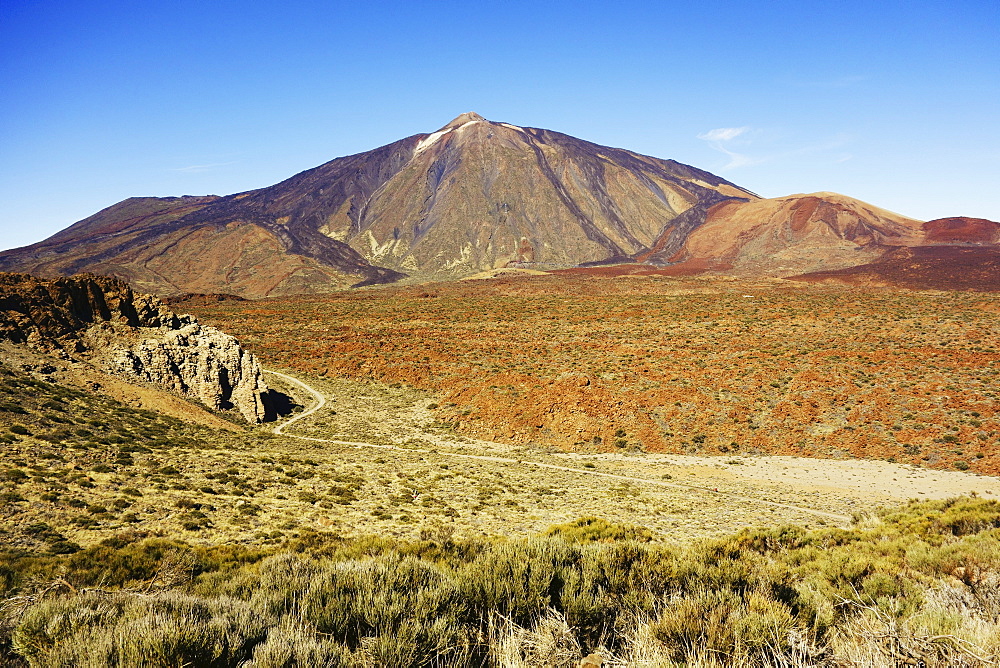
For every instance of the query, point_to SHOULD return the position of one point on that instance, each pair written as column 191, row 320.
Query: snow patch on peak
column 430, row 140
column 512, row 127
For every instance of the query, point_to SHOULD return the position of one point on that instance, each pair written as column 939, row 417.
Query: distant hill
column 939, row 267
column 472, row 197
column 961, row 230
column 789, row 235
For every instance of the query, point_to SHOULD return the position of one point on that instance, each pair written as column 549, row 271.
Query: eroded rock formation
column 133, row 336
column 200, row 361
column 56, row 313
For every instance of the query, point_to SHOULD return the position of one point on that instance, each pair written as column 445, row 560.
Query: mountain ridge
column 471, row 197
column 474, row 195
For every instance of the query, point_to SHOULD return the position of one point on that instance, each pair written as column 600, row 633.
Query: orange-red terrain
column 961, row 230
column 664, row 364
column 791, row 235
column 966, row 267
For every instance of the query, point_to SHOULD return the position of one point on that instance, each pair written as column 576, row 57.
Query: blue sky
column 895, row 103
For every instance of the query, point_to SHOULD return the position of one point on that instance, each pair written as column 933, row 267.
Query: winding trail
column 321, row 402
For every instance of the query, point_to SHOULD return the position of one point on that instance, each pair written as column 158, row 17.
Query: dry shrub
column 166, row 629
column 908, row 589
column 550, row 643
column 718, row 623
column 291, row 644
column 953, row 629
column 642, row 648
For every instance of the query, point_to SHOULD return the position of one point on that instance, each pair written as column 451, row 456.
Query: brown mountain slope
column 471, row 196
column 790, row 235
column 491, row 194
column 938, row 267
column 128, row 216
column 961, row 230
column 476, row 195
column 157, row 246
column 953, row 254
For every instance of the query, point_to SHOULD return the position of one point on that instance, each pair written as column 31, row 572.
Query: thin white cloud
column 717, row 139
column 193, row 169
column 746, row 146
column 723, row 134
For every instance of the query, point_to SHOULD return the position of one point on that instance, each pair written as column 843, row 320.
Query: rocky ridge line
column 133, row 336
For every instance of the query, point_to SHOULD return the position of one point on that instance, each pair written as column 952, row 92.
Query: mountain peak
column 473, row 196
column 467, row 117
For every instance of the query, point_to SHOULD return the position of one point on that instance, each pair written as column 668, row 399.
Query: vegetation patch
column 906, row 586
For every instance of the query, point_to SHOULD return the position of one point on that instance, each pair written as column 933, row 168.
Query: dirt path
column 321, row 402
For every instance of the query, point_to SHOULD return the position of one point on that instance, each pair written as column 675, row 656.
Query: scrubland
column 78, row 468
column 913, row 586
column 488, row 486
column 658, row 364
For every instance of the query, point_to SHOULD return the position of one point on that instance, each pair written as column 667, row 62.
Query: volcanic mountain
column 472, row 196
column 790, row 235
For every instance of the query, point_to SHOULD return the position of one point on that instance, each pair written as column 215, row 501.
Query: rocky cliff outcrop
column 199, row 361
column 135, row 337
column 55, row 314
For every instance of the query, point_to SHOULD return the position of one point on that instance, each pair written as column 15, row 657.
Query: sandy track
column 873, row 479
column 320, row 403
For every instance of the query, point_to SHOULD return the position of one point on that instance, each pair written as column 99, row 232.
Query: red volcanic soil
column 663, row 364
column 924, row 268
column 961, row 230
column 199, row 299
column 804, row 209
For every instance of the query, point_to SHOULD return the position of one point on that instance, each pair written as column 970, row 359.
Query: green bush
column 64, row 547
column 293, row 644
column 14, row 475
column 596, row 529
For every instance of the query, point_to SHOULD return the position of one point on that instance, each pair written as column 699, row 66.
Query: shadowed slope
column 161, row 245
column 923, row 268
